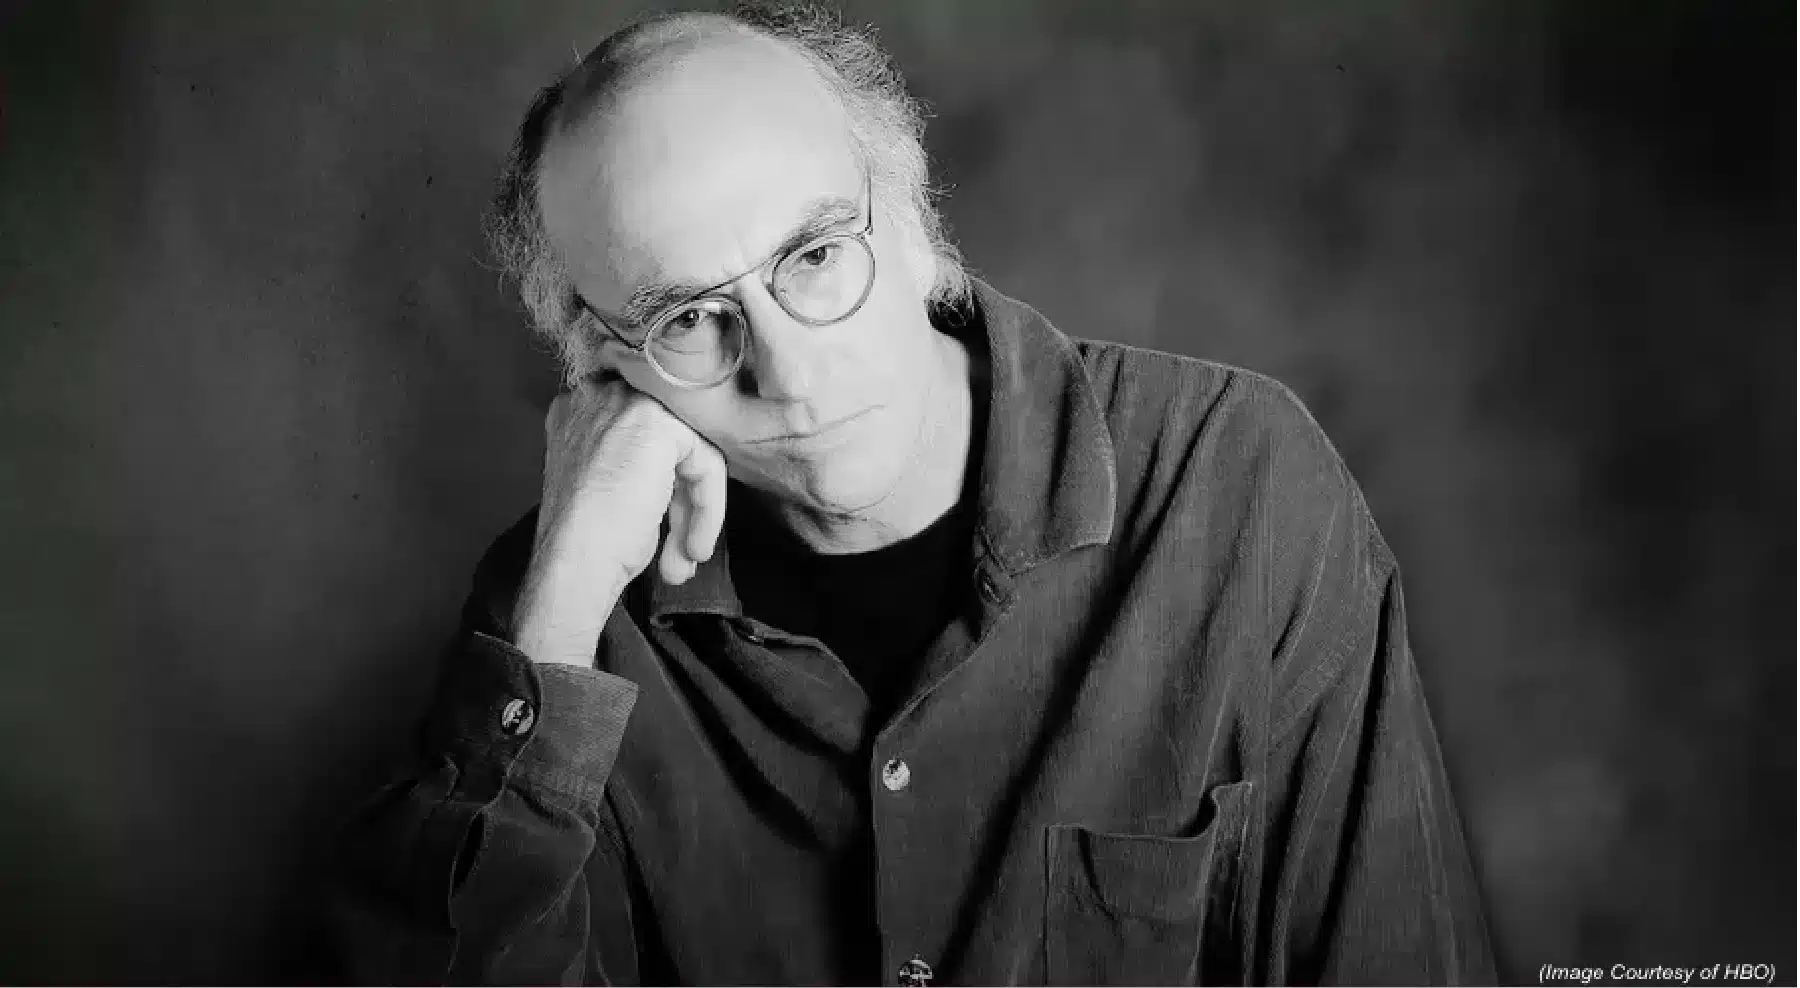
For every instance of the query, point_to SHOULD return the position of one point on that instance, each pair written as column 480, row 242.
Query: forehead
column 702, row 162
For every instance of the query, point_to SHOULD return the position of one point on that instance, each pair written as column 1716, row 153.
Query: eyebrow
column 821, row 216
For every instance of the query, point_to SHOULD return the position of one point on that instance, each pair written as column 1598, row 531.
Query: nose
column 785, row 360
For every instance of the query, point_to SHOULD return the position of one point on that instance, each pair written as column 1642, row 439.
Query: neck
column 930, row 484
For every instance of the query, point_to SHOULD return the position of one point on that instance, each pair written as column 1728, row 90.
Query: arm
column 1366, row 873
column 497, row 858
column 491, row 860
column 1377, row 884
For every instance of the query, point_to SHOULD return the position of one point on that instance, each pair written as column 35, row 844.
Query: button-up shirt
column 1177, row 735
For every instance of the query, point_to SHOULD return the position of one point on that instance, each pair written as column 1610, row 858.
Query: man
column 870, row 630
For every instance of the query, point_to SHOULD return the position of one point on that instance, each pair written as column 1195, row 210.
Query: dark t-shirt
column 877, row 611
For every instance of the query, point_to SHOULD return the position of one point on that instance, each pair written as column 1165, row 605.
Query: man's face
column 698, row 174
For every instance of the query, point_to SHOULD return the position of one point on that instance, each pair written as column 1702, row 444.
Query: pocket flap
column 1145, row 875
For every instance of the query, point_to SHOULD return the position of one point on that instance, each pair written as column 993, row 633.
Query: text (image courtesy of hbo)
column 1659, row 974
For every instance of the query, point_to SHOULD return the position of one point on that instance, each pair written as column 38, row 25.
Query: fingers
column 696, row 512
column 700, row 480
column 617, row 443
column 676, row 566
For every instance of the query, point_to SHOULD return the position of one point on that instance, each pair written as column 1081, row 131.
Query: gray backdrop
column 264, row 404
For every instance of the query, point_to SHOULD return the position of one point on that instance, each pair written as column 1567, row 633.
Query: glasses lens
column 827, row 279
column 701, row 342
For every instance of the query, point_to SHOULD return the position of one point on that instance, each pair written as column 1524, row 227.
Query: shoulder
column 1150, row 391
column 1137, row 385
column 1233, row 465
column 1242, row 441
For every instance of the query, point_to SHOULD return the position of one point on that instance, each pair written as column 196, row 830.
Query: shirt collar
column 1047, row 483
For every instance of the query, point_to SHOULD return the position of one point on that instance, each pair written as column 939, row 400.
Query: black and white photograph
column 949, row 492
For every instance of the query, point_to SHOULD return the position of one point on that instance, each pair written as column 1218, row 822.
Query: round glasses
column 701, row 343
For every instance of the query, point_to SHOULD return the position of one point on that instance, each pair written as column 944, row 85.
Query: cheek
column 637, row 372
column 905, row 342
column 706, row 411
column 913, row 262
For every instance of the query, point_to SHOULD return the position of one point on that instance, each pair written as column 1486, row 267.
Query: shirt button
column 517, row 717
column 896, row 776
column 915, row 972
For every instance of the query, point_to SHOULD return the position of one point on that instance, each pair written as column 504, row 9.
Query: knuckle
column 647, row 417
column 640, row 405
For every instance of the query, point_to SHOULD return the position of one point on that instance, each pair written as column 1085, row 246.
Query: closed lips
column 821, row 430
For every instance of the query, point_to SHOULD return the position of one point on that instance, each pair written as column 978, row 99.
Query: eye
column 695, row 325
column 819, row 255
column 685, row 324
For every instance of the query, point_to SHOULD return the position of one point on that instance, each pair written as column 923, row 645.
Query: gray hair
column 886, row 124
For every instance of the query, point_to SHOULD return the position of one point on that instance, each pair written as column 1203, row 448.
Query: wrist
column 562, row 609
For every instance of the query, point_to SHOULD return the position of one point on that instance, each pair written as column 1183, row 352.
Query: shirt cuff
column 502, row 717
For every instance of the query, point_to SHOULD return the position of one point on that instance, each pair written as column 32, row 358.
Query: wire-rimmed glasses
column 701, row 343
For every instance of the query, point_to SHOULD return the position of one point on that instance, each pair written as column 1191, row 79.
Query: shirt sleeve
column 1367, row 875
column 496, row 858
column 1376, row 885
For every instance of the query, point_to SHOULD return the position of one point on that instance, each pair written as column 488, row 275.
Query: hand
column 615, row 462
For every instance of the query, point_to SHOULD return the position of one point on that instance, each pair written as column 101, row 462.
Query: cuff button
column 915, row 973
column 517, row 717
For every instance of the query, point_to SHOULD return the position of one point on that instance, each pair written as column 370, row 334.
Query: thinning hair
column 886, row 126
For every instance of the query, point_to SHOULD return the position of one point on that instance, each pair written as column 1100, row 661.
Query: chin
column 841, row 481
column 850, row 480
column 846, row 499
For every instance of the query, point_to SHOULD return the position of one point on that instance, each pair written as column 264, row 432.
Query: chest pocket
column 1143, row 910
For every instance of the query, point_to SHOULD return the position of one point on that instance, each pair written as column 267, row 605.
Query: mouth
column 820, row 432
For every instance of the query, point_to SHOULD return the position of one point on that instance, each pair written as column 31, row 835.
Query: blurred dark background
column 1529, row 261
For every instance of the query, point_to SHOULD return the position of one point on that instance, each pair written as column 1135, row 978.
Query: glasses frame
column 768, row 267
